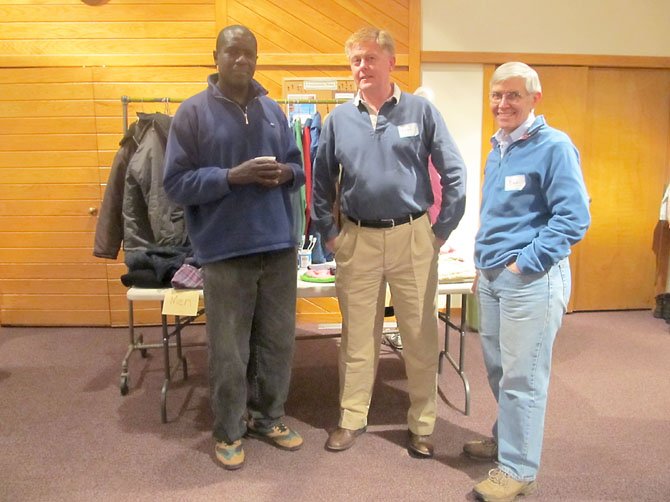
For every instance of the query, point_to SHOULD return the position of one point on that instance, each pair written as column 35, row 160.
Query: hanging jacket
column 109, row 227
column 150, row 219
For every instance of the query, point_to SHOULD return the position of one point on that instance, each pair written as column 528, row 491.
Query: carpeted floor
column 66, row 433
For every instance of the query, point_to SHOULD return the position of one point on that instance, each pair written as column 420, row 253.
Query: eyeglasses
column 511, row 97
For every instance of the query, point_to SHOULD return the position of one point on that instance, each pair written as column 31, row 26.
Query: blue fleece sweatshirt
column 385, row 169
column 211, row 134
column 534, row 202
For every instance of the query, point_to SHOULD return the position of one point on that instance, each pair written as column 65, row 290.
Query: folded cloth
column 454, row 269
column 188, row 277
column 143, row 279
column 329, row 265
column 318, row 276
column 153, row 268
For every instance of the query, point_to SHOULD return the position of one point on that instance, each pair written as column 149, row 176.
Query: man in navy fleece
column 232, row 162
column 534, row 207
column 377, row 148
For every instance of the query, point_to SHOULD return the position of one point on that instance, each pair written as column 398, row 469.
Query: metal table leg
column 461, row 329
column 131, row 346
column 166, row 365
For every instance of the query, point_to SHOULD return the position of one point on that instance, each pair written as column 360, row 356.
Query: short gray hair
column 516, row 69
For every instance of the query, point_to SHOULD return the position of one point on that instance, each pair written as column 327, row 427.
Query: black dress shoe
column 420, row 446
column 341, row 439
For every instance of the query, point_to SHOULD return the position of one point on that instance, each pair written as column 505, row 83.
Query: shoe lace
column 498, row 477
column 280, row 427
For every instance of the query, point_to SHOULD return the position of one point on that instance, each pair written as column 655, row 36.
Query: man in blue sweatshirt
column 534, row 207
column 376, row 149
column 232, row 162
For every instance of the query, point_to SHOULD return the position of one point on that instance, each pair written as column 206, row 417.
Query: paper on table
column 181, row 302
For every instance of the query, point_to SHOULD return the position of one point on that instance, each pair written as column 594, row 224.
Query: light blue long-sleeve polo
column 534, row 202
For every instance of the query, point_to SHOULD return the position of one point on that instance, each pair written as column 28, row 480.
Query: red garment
column 307, row 163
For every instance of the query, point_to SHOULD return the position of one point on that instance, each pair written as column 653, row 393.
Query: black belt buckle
column 387, row 222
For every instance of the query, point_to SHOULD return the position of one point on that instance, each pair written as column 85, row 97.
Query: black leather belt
column 388, row 222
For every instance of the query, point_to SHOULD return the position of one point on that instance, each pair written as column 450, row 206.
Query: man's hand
column 330, row 245
column 262, row 170
column 514, row 268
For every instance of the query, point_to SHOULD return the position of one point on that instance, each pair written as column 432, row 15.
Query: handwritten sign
column 181, row 302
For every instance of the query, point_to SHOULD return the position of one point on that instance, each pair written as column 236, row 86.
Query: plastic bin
column 472, row 313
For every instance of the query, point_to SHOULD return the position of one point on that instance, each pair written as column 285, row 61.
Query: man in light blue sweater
column 376, row 149
column 534, row 207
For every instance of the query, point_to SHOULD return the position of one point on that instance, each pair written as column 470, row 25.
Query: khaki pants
column 367, row 259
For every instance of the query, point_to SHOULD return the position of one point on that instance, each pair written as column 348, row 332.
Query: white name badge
column 408, row 130
column 515, row 183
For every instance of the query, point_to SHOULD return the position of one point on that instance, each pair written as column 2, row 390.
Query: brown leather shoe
column 341, row 439
column 420, row 446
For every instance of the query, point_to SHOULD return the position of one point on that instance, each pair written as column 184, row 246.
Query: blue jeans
column 519, row 318
column 250, row 303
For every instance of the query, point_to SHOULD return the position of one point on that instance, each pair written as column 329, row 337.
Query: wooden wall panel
column 48, row 183
column 64, row 66
column 20, row 91
column 116, row 32
column 318, row 310
column 46, row 125
column 47, row 159
column 29, row 208
column 83, row 30
column 64, row 271
column 29, row 107
column 47, row 314
column 303, row 27
column 48, row 191
column 48, row 224
column 41, row 287
column 51, row 142
column 54, row 175
column 69, row 48
column 55, row 257
column 47, row 240
column 106, row 12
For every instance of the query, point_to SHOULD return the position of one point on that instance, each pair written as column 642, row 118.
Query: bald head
column 232, row 31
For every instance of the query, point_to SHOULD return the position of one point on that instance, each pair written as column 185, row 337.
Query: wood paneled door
column 626, row 165
column 49, row 192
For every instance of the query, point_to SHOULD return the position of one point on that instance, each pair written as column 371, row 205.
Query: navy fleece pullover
column 211, row 134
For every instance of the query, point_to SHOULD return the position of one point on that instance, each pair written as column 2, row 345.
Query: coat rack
column 125, row 100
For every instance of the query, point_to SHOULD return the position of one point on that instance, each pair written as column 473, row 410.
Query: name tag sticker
column 515, row 183
column 181, row 302
column 408, row 130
